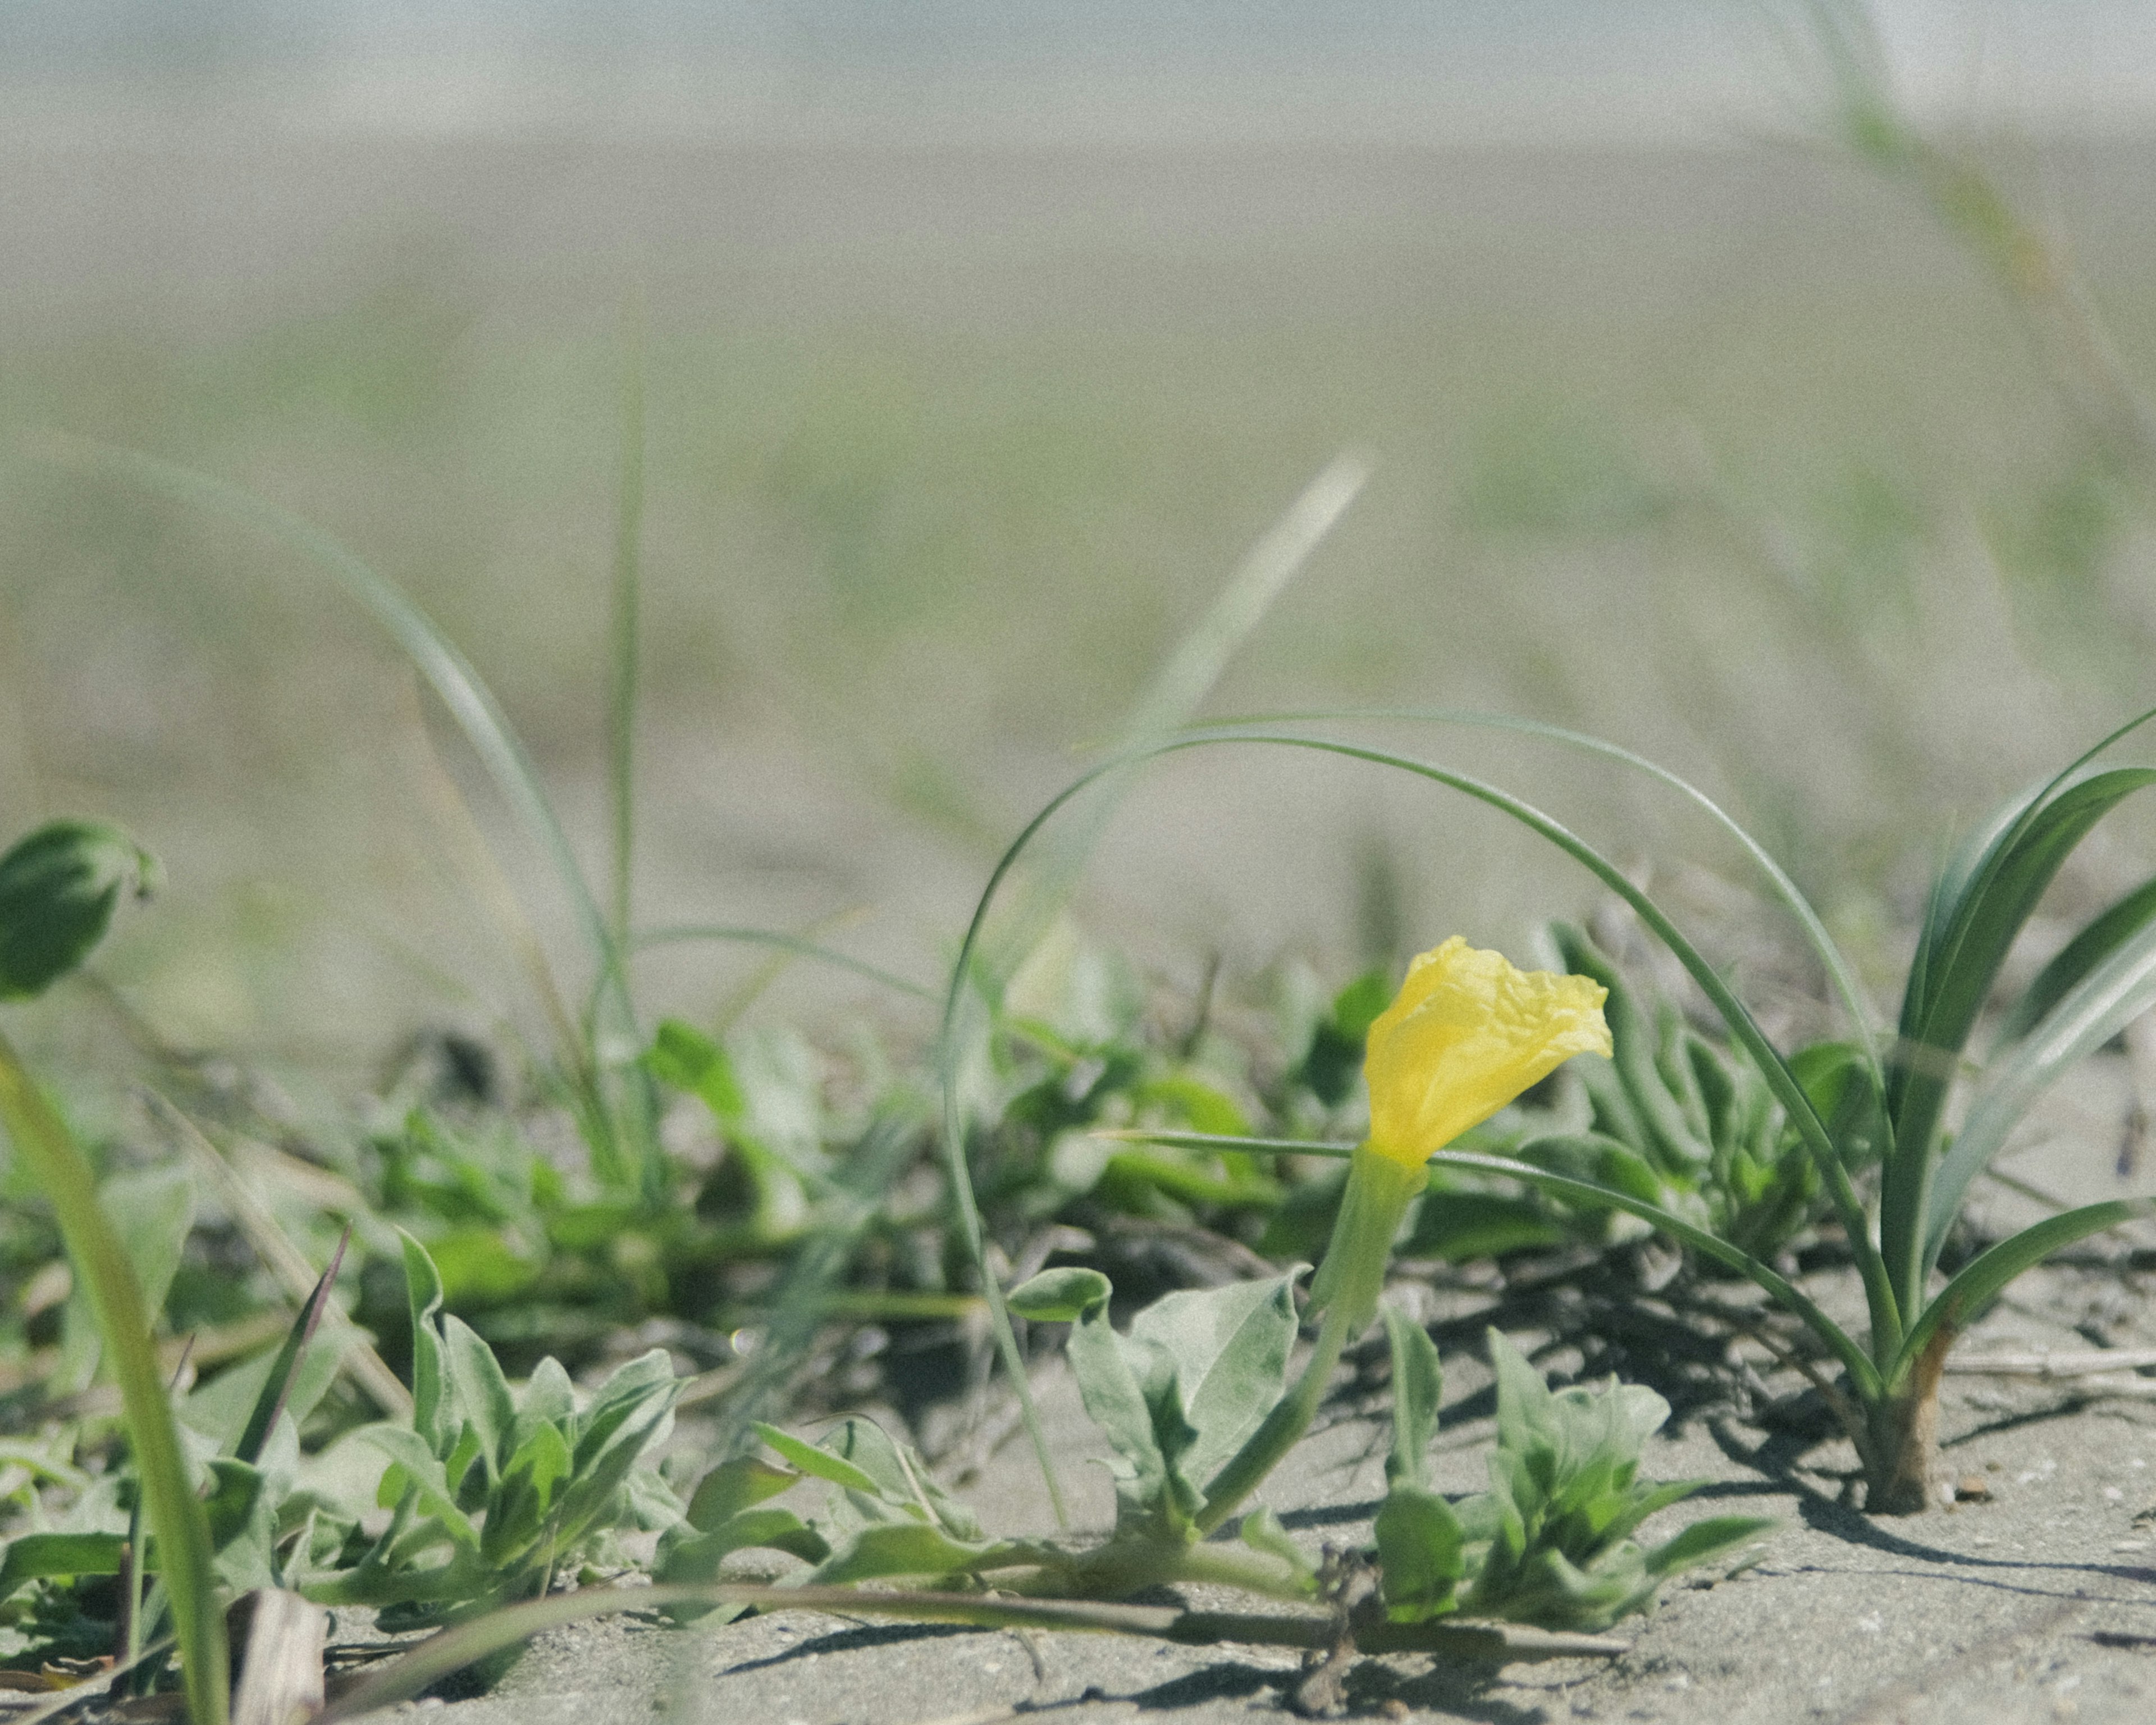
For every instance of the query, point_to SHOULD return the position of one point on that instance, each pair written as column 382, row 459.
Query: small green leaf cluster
column 1550, row 1543
column 494, row 1491
column 1178, row 1393
column 1678, row 1120
column 885, row 1515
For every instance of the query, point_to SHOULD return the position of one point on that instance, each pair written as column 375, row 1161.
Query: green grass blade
column 627, row 592
column 2110, row 997
column 1226, row 1142
column 263, row 1419
column 1854, row 1000
column 685, row 932
column 175, row 1514
column 1985, row 1274
column 2104, row 934
column 1862, row 1371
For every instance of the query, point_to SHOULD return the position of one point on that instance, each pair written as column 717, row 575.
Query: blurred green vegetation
column 1733, row 455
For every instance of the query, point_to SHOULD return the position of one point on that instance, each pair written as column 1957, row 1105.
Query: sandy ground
column 2038, row 1604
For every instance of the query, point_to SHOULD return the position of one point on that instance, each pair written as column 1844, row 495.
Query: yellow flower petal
column 1467, row 1034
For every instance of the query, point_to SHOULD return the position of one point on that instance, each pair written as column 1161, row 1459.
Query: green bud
column 58, row 888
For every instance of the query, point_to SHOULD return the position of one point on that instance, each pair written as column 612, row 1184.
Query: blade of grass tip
column 286, row 1261
column 628, row 582
column 176, row 1514
column 1179, row 687
column 690, row 931
column 1854, row 1000
column 452, row 676
column 263, row 1420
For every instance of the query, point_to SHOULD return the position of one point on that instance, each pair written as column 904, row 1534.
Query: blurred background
column 1753, row 384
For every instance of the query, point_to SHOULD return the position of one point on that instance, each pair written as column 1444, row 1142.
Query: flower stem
column 1380, row 1187
column 1290, row 1418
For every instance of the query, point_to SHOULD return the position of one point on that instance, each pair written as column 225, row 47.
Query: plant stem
column 174, row 1513
column 1380, row 1187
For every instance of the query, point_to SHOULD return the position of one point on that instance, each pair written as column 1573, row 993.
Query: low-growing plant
column 1190, row 1398
column 1878, row 1112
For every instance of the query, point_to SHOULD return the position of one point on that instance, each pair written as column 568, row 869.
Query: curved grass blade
column 1223, row 1142
column 2112, row 996
column 682, row 933
column 1854, row 1001
column 461, row 689
column 2105, row 933
column 175, row 1513
column 1985, row 1274
column 1861, row 1368
column 1169, row 701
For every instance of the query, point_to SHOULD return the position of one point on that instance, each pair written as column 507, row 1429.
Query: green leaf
column 279, row 1382
column 1959, row 1303
column 1418, row 1385
column 1526, row 1415
column 1228, row 1348
column 903, row 1477
column 517, row 1510
column 886, row 1549
column 1703, row 1541
column 685, row 1057
column 243, row 1522
column 1976, row 911
column 33, row 1557
column 1421, row 1554
column 824, row 1464
column 2113, row 994
column 432, row 1416
column 547, row 1393
column 697, row 1558
column 2103, row 935
column 1668, row 1136
column 49, row 1151
column 1058, row 1296
column 58, row 889
column 734, row 1487
column 423, row 1473
column 478, row 1391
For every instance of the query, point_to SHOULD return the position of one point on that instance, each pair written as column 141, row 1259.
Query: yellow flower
column 1467, row 1034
